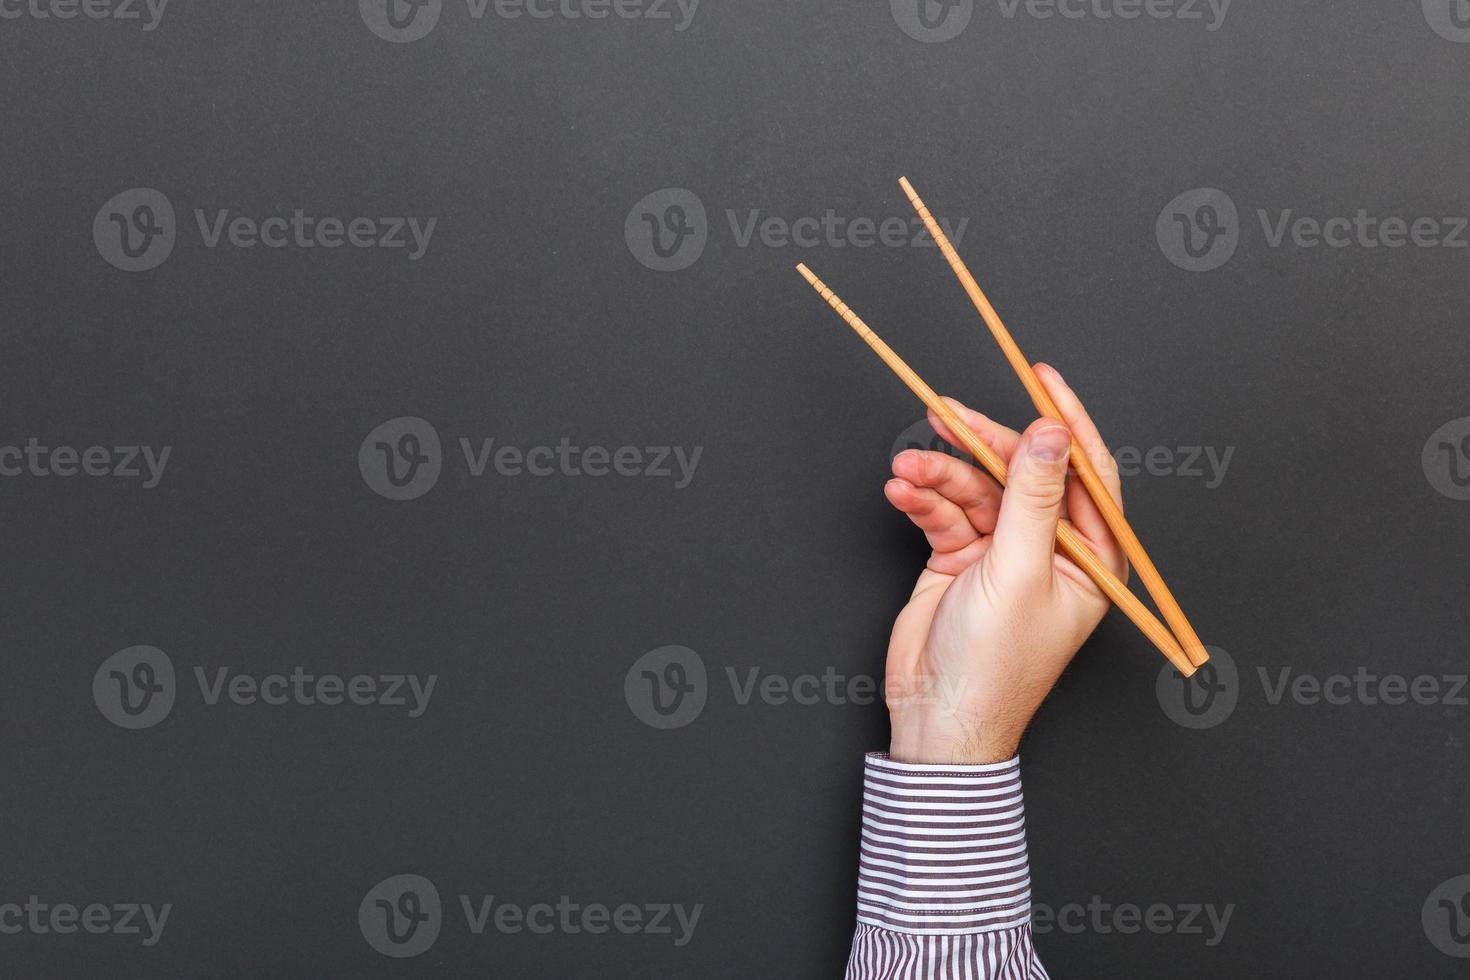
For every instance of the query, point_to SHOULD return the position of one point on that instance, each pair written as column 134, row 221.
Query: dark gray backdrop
column 1328, row 546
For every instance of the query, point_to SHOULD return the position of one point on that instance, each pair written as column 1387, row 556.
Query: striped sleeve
column 944, row 888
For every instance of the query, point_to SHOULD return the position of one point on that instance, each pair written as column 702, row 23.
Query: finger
column 1085, row 514
column 941, row 520
column 998, row 437
column 954, row 562
column 1025, row 534
column 944, row 524
column 974, row 492
column 1082, row 511
column 1085, row 432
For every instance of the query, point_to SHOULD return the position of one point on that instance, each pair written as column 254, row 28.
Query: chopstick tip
column 908, row 188
column 806, row 273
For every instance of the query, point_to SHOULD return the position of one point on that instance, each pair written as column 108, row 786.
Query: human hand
column 997, row 614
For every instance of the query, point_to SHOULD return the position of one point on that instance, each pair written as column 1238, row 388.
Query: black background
column 529, row 320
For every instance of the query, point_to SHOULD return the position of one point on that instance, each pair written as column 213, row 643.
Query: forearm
column 944, row 887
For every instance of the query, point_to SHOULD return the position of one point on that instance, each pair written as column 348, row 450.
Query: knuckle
column 931, row 466
column 1043, row 493
column 1043, row 502
column 965, row 484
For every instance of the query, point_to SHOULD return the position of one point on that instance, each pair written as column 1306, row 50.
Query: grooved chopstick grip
column 1067, row 539
column 1112, row 514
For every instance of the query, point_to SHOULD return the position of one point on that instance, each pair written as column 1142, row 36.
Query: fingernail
column 1050, row 444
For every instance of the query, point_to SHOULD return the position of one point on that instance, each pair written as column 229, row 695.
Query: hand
column 997, row 614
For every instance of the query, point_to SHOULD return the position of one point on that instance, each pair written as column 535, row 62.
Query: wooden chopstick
column 1112, row 514
column 1068, row 541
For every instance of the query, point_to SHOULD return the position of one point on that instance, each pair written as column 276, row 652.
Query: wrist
column 951, row 742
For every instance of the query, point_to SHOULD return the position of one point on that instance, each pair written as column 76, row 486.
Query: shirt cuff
column 943, row 848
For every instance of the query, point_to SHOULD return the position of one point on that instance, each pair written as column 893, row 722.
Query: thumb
column 1025, row 532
